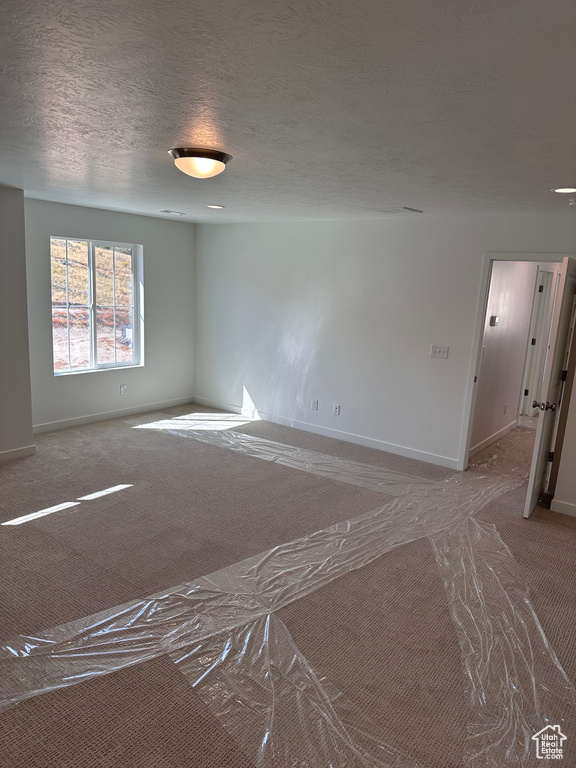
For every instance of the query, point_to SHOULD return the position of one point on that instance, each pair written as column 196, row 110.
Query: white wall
column 346, row 312
column 16, row 438
column 504, row 351
column 167, row 375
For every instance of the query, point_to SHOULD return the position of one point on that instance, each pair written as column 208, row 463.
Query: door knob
column 544, row 406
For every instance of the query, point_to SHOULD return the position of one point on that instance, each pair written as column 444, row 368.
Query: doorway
column 470, row 439
column 513, row 352
column 559, row 308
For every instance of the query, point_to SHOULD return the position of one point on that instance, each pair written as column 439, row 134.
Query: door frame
column 566, row 399
column 474, row 365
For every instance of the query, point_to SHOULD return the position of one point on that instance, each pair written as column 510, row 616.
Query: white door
column 540, row 323
column 552, row 383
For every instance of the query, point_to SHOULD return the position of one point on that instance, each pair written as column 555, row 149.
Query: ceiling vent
column 395, row 211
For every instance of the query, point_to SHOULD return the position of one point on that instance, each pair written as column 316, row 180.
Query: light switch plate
column 441, row 352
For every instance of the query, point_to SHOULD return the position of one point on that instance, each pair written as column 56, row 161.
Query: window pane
column 93, row 302
column 58, row 264
column 104, row 262
column 123, row 275
column 60, row 338
column 79, row 338
column 78, row 275
column 105, row 335
column 124, row 346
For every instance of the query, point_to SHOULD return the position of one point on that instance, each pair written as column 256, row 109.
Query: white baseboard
column 219, row 405
column 17, row 453
column 369, row 442
column 564, row 507
column 496, row 436
column 105, row 416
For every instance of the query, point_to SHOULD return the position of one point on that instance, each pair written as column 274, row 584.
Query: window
column 96, row 304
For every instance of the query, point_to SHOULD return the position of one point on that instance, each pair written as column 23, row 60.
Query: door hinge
column 540, row 288
column 551, row 456
column 525, row 392
column 533, row 342
column 564, row 375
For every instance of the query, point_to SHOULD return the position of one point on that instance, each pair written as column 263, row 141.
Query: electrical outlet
column 336, row 410
column 314, row 405
column 441, row 352
column 122, row 389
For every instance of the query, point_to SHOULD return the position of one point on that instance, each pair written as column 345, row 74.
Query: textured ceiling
column 330, row 109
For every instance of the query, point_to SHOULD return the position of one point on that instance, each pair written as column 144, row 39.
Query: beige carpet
column 382, row 635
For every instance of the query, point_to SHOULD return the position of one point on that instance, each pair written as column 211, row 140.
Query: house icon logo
column 549, row 743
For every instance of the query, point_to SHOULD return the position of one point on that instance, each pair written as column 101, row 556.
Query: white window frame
column 138, row 307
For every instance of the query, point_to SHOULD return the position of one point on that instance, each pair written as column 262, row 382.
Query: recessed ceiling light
column 173, row 213
column 198, row 162
column 565, row 190
column 215, row 207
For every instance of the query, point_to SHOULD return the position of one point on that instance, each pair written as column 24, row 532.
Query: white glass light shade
column 200, row 163
column 199, row 167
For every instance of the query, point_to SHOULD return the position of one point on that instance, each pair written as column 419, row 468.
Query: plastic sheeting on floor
column 223, row 633
column 324, row 465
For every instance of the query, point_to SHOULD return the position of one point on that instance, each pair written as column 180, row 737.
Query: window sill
column 57, row 374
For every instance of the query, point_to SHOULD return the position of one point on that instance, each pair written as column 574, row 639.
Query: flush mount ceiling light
column 216, row 207
column 565, row 190
column 200, row 163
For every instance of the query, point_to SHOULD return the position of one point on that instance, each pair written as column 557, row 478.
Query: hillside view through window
column 93, row 305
